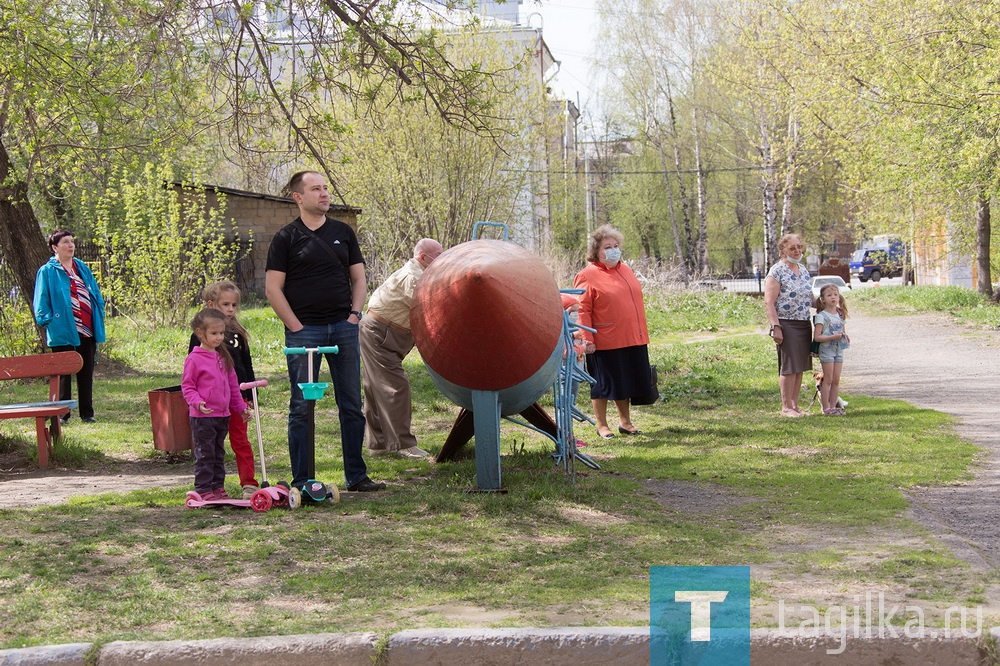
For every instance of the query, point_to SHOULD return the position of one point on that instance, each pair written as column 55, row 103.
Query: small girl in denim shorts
column 830, row 333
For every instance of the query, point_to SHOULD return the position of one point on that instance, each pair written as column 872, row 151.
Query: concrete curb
column 304, row 650
column 565, row 646
column 71, row 654
column 579, row 646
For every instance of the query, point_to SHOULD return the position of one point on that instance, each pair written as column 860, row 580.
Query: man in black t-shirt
column 315, row 281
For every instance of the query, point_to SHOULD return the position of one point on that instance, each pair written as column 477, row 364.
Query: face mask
column 613, row 255
column 794, row 261
column 574, row 317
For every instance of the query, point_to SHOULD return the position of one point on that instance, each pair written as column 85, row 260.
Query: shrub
column 161, row 248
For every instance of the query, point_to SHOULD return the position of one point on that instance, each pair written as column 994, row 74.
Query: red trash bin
column 169, row 415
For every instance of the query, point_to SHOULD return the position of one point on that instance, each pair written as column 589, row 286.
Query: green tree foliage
column 85, row 86
column 567, row 192
column 163, row 247
column 639, row 206
column 92, row 88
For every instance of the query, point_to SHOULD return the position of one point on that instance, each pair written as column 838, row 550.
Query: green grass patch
column 716, row 478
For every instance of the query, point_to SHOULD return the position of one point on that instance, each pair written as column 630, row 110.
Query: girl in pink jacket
column 212, row 392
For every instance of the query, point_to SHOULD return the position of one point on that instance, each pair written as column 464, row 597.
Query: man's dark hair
column 295, row 183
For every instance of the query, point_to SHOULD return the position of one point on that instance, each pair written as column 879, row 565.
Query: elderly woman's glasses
column 796, row 247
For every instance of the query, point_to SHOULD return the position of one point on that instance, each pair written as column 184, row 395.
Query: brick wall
column 262, row 216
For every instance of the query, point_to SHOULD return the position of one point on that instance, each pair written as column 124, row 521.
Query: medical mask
column 613, row 255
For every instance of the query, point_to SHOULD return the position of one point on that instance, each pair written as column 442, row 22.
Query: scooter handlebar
column 290, row 351
column 246, row 386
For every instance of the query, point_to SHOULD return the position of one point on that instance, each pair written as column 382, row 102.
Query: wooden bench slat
column 40, row 365
column 33, row 412
column 70, row 404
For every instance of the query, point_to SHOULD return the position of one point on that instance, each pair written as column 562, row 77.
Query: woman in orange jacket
column 618, row 354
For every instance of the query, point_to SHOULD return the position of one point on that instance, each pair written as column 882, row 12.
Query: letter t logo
column 701, row 610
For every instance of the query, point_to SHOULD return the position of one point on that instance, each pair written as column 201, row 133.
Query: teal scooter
column 313, row 490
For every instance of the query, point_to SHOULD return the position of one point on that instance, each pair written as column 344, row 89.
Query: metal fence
column 737, row 285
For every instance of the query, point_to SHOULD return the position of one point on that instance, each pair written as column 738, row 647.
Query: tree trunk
column 789, row 193
column 689, row 258
column 769, row 198
column 678, row 246
column 22, row 241
column 702, row 201
column 984, row 281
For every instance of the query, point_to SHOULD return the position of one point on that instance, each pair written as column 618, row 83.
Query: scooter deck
column 261, row 501
column 194, row 501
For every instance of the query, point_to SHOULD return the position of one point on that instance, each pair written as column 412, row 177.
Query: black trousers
column 84, row 378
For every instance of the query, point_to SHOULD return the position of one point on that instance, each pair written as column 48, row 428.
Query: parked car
column 819, row 281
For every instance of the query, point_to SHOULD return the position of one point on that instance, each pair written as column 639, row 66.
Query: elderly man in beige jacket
column 385, row 342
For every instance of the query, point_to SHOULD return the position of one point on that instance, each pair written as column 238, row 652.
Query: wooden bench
column 41, row 365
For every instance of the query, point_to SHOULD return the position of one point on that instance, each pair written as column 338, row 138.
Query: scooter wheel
column 334, row 494
column 260, row 501
column 294, row 498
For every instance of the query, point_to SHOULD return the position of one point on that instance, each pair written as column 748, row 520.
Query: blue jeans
column 345, row 369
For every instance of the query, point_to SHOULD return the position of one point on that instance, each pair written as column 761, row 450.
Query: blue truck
column 883, row 256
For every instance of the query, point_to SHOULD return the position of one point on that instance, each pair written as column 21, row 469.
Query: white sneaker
column 248, row 491
column 414, row 452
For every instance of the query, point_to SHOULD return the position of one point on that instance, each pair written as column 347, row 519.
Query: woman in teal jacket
column 69, row 306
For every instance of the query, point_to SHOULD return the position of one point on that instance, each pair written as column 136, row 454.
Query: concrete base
column 569, row 646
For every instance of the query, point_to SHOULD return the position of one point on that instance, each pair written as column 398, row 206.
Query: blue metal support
column 479, row 226
column 567, row 452
column 486, row 416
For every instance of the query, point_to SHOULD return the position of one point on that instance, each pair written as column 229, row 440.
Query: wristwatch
column 356, row 313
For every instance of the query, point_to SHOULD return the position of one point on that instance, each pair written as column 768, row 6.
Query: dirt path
column 929, row 362
column 23, row 488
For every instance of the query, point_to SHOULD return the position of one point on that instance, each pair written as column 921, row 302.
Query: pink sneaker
column 580, row 443
column 207, row 496
column 220, row 493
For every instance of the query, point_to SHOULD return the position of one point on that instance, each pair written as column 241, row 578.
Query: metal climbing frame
column 566, row 412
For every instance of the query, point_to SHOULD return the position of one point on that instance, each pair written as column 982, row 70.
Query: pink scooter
column 268, row 495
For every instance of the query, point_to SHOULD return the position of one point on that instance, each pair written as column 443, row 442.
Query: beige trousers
column 388, row 410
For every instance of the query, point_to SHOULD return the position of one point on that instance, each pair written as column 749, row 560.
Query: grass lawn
column 717, row 478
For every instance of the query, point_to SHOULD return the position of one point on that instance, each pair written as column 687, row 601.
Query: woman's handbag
column 652, row 393
column 814, row 346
